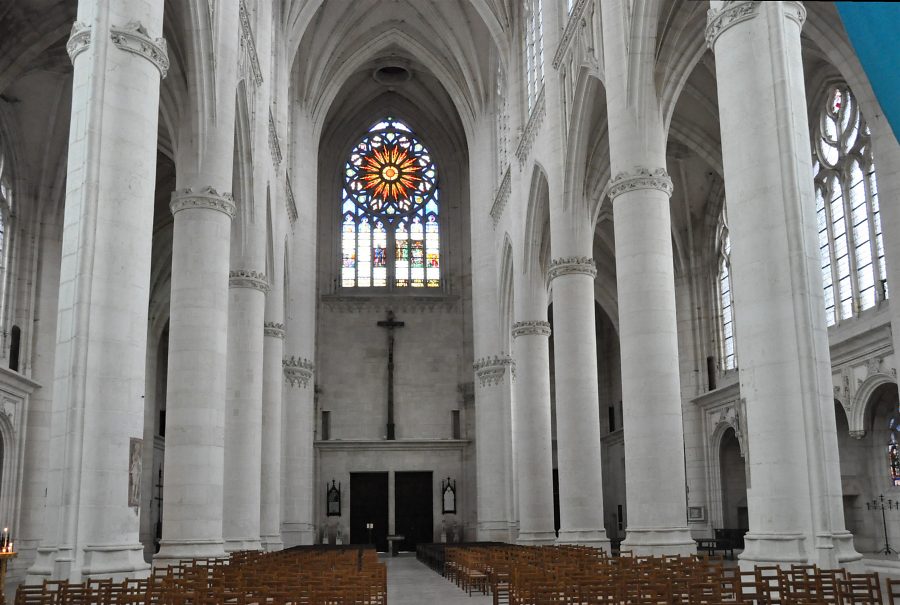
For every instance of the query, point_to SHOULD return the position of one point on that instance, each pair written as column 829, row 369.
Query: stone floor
column 413, row 583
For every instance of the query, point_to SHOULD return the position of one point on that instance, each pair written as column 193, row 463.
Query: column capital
column 530, row 328
column 133, row 38
column 298, row 371
column 572, row 265
column 640, row 178
column 490, row 370
column 737, row 11
column 79, row 40
column 207, row 197
column 273, row 329
column 245, row 278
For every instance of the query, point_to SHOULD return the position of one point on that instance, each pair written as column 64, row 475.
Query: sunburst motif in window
column 390, row 172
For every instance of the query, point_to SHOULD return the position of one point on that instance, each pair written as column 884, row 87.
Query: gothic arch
column 242, row 176
column 9, row 466
column 588, row 112
column 537, row 224
column 506, row 289
column 860, row 408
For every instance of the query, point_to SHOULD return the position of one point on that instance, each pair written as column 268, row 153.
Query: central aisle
column 413, row 583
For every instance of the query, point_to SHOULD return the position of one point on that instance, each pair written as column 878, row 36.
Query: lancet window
column 534, row 50
column 847, row 209
column 390, row 233
column 727, row 358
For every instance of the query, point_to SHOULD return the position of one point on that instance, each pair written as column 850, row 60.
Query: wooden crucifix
column 390, row 324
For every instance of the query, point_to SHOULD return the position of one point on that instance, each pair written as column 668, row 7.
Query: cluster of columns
column 794, row 491
column 226, row 375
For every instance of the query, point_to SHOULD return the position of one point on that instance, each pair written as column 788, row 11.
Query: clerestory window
column 390, row 233
column 534, row 50
column 847, row 211
column 727, row 358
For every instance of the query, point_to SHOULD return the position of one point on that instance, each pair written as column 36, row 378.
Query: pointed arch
column 506, row 289
column 537, row 224
column 242, row 176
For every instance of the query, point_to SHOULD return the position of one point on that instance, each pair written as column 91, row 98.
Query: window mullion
column 873, row 236
column 829, row 230
column 855, row 296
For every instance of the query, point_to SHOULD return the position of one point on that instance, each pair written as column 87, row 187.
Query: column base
column 116, row 561
column 830, row 551
column 45, row 566
column 595, row 538
column 298, row 534
column 493, row 531
column 536, row 538
column 271, row 543
column 659, row 541
column 173, row 551
column 236, row 544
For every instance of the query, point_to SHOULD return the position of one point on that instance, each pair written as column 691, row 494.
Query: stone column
column 193, row 472
column 577, row 402
column 91, row 525
column 492, row 488
column 243, row 406
column 298, row 473
column 794, row 484
column 491, row 433
column 532, row 432
column 273, row 351
column 645, row 277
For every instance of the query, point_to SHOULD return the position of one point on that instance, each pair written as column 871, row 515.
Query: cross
column 390, row 324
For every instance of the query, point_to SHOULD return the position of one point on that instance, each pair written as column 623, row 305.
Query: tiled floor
column 413, row 583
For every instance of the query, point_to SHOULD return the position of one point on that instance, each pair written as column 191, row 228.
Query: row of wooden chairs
column 572, row 575
column 345, row 577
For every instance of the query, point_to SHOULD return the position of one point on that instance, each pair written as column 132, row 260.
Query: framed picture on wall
column 333, row 499
column 696, row 514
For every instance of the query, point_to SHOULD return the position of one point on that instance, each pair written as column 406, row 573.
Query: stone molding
column 356, row 303
column 133, row 38
column 858, row 434
column 738, row 11
column 273, row 329
column 502, row 197
column 490, row 370
column 573, row 265
column 289, row 203
column 298, row 371
column 575, row 17
column 274, row 145
column 79, row 40
column 245, row 278
column 640, row 178
column 247, row 38
column 530, row 328
column 205, row 198
column 535, row 119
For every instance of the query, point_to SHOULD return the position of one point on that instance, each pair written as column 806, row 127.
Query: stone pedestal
column 243, row 407
column 532, row 432
column 794, row 484
column 91, row 521
column 577, row 403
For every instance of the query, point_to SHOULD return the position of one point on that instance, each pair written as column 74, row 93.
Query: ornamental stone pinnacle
column 640, row 178
column 133, row 38
column 573, row 265
column 530, row 328
column 207, row 197
column 244, row 278
column 298, row 371
column 490, row 370
column 273, row 329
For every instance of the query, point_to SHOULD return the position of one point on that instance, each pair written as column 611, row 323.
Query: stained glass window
column 390, row 232
column 847, row 211
column 727, row 359
column 893, row 451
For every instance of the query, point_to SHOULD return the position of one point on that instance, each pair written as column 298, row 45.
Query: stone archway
column 733, row 483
